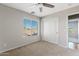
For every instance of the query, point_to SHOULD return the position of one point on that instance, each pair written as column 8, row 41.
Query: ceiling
column 32, row 7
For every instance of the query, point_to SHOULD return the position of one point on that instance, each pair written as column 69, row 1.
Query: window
column 30, row 27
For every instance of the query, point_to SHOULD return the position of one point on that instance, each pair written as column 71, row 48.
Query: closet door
column 51, row 29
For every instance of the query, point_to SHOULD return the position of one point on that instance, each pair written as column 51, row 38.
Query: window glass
column 30, row 27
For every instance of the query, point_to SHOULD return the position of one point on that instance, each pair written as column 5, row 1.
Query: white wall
column 11, row 29
column 49, row 26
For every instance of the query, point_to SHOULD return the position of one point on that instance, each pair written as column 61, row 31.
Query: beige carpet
column 41, row 49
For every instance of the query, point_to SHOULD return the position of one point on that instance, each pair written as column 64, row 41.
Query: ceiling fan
column 43, row 4
column 46, row 5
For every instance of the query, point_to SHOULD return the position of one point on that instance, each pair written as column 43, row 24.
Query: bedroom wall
column 49, row 24
column 11, row 28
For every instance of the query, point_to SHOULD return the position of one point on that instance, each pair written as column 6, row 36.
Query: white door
column 51, row 29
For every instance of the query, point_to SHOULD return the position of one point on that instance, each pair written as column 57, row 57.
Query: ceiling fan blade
column 48, row 5
column 41, row 9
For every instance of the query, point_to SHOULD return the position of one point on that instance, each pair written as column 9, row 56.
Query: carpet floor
column 41, row 48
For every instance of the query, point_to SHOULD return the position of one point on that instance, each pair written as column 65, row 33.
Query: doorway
column 73, row 31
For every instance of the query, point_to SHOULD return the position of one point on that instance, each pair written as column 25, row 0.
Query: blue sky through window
column 27, row 23
column 30, row 23
column 34, row 24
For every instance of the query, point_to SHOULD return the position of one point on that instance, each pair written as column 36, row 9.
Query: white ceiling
column 29, row 7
